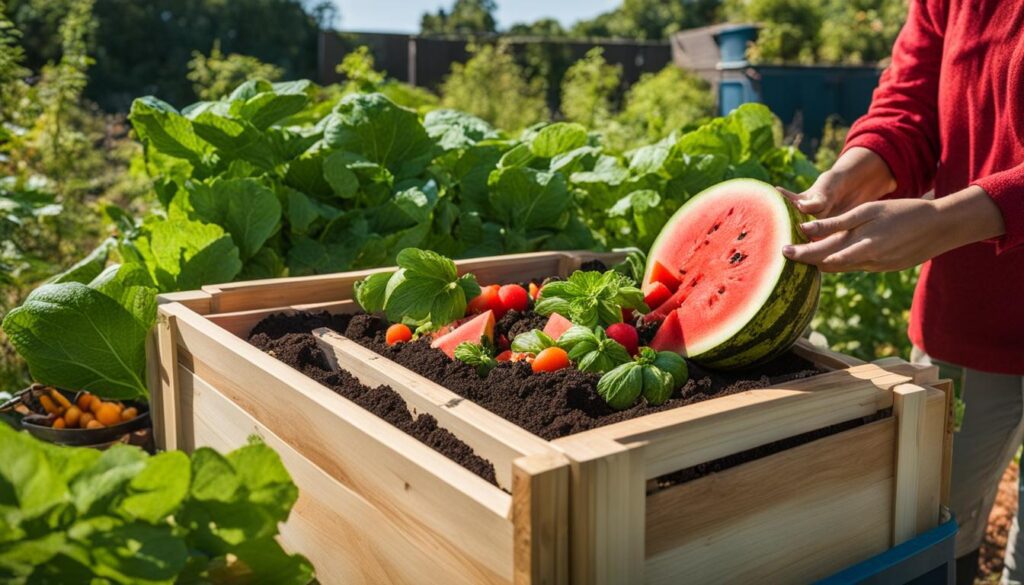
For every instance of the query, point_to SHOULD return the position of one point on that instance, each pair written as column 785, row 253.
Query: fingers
column 809, row 202
column 822, row 228
column 855, row 257
column 838, row 252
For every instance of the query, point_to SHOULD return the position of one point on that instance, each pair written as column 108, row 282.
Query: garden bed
column 851, row 460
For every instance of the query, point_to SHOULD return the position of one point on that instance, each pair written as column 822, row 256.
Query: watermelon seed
column 742, row 235
column 721, row 290
column 735, row 258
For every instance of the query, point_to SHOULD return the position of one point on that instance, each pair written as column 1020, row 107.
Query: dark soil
column 990, row 563
column 297, row 347
column 550, row 405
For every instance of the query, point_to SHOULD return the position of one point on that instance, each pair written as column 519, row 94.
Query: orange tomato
column 59, row 423
column 551, row 359
column 109, row 414
column 129, row 413
column 95, row 424
column 398, row 333
column 534, row 290
column 85, row 419
column 95, row 405
column 72, row 416
column 84, row 401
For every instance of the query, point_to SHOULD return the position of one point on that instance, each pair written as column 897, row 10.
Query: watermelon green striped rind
column 739, row 302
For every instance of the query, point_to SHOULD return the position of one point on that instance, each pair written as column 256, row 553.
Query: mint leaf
column 533, row 341
column 74, row 336
column 591, row 298
column 622, row 386
column 479, row 355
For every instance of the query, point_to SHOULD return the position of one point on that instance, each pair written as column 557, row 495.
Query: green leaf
column 245, row 208
column 675, row 365
column 558, row 138
column 74, row 336
column 373, row 126
column 158, row 490
column 271, row 565
column 29, row 480
column 138, row 553
column 621, row 387
column 213, row 477
column 645, row 214
column 131, row 286
column 479, row 355
column 533, row 341
column 427, row 264
column 527, row 198
column 516, row 157
column 342, row 180
column 452, row 129
column 163, row 128
column 237, row 140
column 265, row 478
column 186, row 255
column 100, row 485
column 649, row 159
column 87, row 268
column 754, row 125
column 591, row 298
column 658, row 384
column 370, row 291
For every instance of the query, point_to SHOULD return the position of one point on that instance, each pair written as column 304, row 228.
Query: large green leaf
column 558, row 138
column 89, row 267
column 527, row 198
column 245, row 208
column 185, row 255
column 163, row 128
column 452, row 129
column 74, row 336
column 100, row 485
column 373, row 126
column 131, row 286
column 158, row 489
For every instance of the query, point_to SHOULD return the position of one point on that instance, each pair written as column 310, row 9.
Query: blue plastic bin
column 929, row 559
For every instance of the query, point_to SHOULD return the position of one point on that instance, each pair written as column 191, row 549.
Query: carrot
column 48, row 405
column 60, row 398
column 129, row 413
column 398, row 333
column 551, row 359
column 109, row 414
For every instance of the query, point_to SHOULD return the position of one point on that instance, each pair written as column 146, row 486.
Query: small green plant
column 78, row 515
column 589, row 89
column 492, row 86
column 214, row 76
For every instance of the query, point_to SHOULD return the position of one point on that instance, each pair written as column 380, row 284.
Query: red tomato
column 514, row 297
column 505, row 356
column 625, row 334
column 398, row 333
column 487, row 300
column 551, row 359
column 503, row 342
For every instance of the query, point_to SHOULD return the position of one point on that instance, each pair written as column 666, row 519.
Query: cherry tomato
column 72, row 416
column 398, row 333
column 505, row 356
column 487, row 300
column 129, row 413
column 551, row 359
column 84, row 401
column 625, row 334
column 514, row 297
column 109, row 414
column 59, row 423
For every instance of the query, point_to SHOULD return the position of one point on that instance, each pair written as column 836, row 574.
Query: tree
column 492, row 85
column 650, row 19
column 588, row 89
column 545, row 27
column 214, row 77
column 659, row 104
column 467, row 17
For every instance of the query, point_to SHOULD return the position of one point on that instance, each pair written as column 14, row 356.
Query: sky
column 404, row 15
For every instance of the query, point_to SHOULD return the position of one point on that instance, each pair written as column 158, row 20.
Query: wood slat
column 540, row 504
column 920, row 374
column 429, row 495
column 791, row 517
column 166, row 398
column 329, row 521
column 823, row 357
column 910, row 410
column 492, row 437
column 195, row 300
column 686, row 436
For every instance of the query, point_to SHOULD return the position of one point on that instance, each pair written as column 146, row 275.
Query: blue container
column 929, row 559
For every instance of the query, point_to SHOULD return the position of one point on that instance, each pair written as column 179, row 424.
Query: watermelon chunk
column 740, row 301
column 655, row 294
column 472, row 330
column 556, row 326
column 659, row 273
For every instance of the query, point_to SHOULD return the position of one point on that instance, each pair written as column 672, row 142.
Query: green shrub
column 492, row 86
column 589, row 89
column 214, row 76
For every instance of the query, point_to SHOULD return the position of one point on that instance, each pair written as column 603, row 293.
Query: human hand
column 858, row 177
column 883, row 236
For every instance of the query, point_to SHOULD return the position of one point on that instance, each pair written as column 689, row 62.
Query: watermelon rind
column 778, row 312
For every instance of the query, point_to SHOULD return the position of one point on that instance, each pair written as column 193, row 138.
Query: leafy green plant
column 492, row 71
column 589, row 89
column 426, row 290
column 655, row 375
column 592, row 350
column 533, row 341
column 77, row 515
column 591, row 298
column 479, row 355
column 214, row 76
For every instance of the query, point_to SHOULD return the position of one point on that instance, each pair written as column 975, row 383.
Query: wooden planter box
column 378, row 506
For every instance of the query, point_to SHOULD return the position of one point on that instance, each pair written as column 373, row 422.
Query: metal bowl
column 35, row 425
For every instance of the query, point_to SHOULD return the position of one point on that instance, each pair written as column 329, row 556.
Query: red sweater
column 949, row 113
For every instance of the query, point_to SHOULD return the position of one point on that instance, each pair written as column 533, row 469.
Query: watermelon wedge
column 472, row 330
column 556, row 326
column 740, row 301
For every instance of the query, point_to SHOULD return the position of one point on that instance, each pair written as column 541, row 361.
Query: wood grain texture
column 792, row 517
column 931, row 458
column 348, row 539
column 165, row 434
column 195, row 300
column 431, row 498
column 825, row 357
column 540, row 517
column 689, row 435
column 492, row 437
column 920, row 374
column 910, row 410
column 946, row 387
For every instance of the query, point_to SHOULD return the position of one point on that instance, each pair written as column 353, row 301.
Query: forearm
column 863, row 172
column 968, row 216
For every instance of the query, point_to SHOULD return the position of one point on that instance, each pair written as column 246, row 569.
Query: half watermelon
column 737, row 300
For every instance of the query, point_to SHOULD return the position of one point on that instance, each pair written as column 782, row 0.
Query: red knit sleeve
column 1006, row 188
column 902, row 125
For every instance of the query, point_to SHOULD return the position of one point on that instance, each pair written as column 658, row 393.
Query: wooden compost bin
column 378, row 506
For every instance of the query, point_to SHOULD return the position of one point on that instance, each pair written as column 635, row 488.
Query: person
column 946, row 118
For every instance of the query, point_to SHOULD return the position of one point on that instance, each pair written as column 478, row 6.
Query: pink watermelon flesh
column 659, row 273
column 670, row 335
column 725, row 251
column 556, row 326
column 480, row 326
